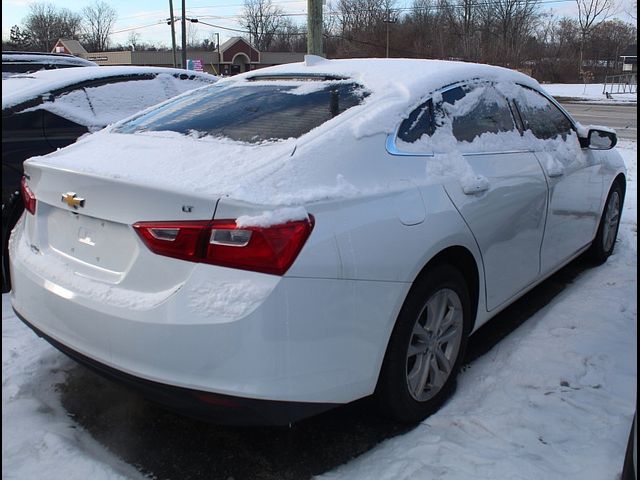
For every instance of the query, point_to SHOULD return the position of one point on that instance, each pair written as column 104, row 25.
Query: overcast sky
column 148, row 17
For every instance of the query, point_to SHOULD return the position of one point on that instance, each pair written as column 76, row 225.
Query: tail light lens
column 28, row 198
column 270, row 249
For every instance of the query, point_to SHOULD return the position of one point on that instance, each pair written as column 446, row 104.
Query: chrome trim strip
column 393, row 149
column 502, row 152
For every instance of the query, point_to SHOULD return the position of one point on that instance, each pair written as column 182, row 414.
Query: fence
column 616, row 84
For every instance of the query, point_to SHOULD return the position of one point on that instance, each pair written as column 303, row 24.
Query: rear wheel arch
column 462, row 260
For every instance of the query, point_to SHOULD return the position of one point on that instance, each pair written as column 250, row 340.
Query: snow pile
column 39, row 439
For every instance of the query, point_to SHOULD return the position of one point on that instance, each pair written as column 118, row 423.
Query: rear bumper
column 212, row 407
column 318, row 341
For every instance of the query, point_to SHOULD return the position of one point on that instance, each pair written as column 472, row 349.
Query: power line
column 138, row 27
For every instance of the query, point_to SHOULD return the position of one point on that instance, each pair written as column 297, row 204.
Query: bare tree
column 590, row 14
column 362, row 27
column 99, row 19
column 18, row 40
column 133, row 39
column 263, row 20
column 507, row 24
column 193, row 36
column 45, row 24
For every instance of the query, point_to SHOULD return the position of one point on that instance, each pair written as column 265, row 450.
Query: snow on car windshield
column 251, row 112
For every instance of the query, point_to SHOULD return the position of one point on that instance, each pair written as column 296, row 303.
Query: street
column 622, row 117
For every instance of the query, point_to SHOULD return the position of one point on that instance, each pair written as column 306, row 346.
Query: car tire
column 424, row 355
column 629, row 467
column 11, row 212
column 605, row 240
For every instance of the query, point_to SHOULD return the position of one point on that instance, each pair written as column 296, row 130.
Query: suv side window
column 486, row 112
column 541, row 116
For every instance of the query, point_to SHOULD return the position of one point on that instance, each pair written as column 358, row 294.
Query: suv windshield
column 253, row 113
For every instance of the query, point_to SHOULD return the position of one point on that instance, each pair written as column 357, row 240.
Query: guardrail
column 616, row 84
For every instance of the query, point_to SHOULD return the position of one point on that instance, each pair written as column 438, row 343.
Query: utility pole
column 184, row 34
column 172, row 20
column 387, row 22
column 314, row 27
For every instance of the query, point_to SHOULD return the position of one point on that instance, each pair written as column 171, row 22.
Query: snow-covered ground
column 592, row 92
column 553, row 400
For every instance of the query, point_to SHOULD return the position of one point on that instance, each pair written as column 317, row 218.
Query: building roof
column 73, row 46
column 630, row 51
column 230, row 42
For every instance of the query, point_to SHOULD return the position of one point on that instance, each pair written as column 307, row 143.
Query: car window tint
column 488, row 112
column 20, row 67
column 469, row 116
column 541, row 116
column 250, row 113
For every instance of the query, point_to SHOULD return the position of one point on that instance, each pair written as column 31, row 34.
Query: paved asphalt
column 622, row 117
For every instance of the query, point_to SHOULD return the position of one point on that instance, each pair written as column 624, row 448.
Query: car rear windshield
column 251, row 112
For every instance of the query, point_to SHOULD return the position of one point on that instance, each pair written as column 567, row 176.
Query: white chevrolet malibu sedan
column 302, row 236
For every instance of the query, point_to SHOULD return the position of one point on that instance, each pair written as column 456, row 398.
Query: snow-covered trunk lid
column 87, row 219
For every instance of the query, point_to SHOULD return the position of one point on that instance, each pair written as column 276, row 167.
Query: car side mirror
column 598, row 139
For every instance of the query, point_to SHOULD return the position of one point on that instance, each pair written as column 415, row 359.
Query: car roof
column 378, row 73
column 20, row 88
column 41, row 57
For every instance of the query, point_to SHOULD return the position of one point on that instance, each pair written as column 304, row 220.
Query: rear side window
column 251, row 113
column 116, row 99
column 469, row 111
column 541, row 116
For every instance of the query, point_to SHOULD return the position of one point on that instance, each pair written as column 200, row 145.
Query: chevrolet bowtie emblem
column 72, row 200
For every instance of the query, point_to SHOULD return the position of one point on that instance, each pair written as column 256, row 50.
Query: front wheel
column 605, row 240
column 426, row 347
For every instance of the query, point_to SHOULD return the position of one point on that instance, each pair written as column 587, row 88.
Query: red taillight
column 28, row 198
column 270, row 249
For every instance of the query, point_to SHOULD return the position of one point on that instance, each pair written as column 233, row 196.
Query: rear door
column 492, row 178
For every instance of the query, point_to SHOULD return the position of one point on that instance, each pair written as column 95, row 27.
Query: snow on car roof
column 21, row 88
column 394, row 83
column 269, row 173
column 50, row 58
column 375, row 72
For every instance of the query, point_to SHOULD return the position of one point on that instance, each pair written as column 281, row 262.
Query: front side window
column 467, row 112
column 252, row 113
column 541, row 116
